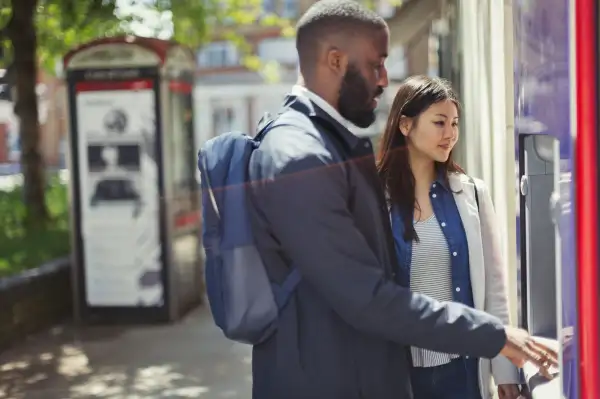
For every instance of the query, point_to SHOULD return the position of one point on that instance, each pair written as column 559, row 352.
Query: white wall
column 247, row 102
column 250, row 102
column 487, row 94
column 396, row 63
column 511, row 177
column 279, row 49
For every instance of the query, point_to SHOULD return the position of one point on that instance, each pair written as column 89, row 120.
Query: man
column 319, row 207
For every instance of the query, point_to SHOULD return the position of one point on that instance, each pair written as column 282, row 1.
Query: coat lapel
column 469, row 214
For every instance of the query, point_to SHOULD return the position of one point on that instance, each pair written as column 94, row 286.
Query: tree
column 39, row 32
column 35, row 33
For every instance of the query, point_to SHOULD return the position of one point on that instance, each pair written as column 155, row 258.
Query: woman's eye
column 440, row 124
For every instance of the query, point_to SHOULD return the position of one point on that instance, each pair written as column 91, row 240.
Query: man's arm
column 305, row 204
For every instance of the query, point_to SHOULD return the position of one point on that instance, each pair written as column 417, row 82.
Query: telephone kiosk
column 137, row 254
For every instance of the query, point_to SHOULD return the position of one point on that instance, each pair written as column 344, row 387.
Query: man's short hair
column 328, row 17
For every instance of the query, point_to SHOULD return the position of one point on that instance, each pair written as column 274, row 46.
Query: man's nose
column 383, row 78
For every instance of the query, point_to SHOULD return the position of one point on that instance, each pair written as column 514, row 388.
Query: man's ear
column 337, row 61
column 405, row 125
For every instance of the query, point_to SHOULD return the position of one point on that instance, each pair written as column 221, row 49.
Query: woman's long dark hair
column 416, row 95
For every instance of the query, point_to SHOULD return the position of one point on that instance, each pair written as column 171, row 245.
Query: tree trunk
column 22, row 34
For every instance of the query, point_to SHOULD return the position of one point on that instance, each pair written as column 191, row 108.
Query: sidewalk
column 190, row 359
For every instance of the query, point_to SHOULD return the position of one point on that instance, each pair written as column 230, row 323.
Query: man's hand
column 521, row 347
column 509, row 391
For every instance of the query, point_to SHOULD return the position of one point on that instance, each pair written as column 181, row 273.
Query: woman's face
column 434, row 133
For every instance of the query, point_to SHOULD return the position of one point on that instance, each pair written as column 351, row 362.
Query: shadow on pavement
column 190, row 359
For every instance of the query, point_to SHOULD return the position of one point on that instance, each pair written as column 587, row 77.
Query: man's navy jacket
column 318, row 206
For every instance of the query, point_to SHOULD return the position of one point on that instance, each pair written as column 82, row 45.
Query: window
column 5, row 92
column 281, row 49
column 289, row 8
column 223, row 119
column 268, row 6
column 218, row 55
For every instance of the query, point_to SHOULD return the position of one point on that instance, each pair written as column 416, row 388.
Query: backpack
column 244, row 303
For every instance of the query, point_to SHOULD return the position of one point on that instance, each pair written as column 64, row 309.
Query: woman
column 445, row 234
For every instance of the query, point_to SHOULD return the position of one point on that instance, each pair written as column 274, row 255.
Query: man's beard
column 355, row 98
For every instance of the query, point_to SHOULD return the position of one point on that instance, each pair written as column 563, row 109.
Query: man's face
column 364, row 80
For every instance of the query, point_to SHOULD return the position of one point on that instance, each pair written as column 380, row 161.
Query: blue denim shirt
column 446, row 212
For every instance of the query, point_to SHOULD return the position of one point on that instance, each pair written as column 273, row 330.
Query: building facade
column 229, row 96
column 53, row 114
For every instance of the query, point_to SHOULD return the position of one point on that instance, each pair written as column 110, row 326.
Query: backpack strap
column 475, row 191
column 211, row 194
column 266, row 123
column 283, row 292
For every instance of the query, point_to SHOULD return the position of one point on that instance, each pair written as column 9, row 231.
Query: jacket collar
column 457, row 181
column 444, row 183
column 317, row 100
column 301, row 103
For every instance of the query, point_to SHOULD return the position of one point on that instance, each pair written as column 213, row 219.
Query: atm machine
column 541, row 305
column 556, row 123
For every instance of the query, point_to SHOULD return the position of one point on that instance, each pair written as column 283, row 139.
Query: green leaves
column 22, row 248
column 43, row 31
column 64, row 24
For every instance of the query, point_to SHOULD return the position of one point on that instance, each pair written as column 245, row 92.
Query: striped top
column 431, row 274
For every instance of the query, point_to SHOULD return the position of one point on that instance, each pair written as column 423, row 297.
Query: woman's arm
column 496, row 292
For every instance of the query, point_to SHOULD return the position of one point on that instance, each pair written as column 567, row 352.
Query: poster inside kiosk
column 119, row 193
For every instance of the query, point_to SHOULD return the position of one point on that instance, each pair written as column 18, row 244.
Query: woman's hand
column 509, row 391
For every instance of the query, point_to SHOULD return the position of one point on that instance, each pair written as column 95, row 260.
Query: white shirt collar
column 324, row 105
